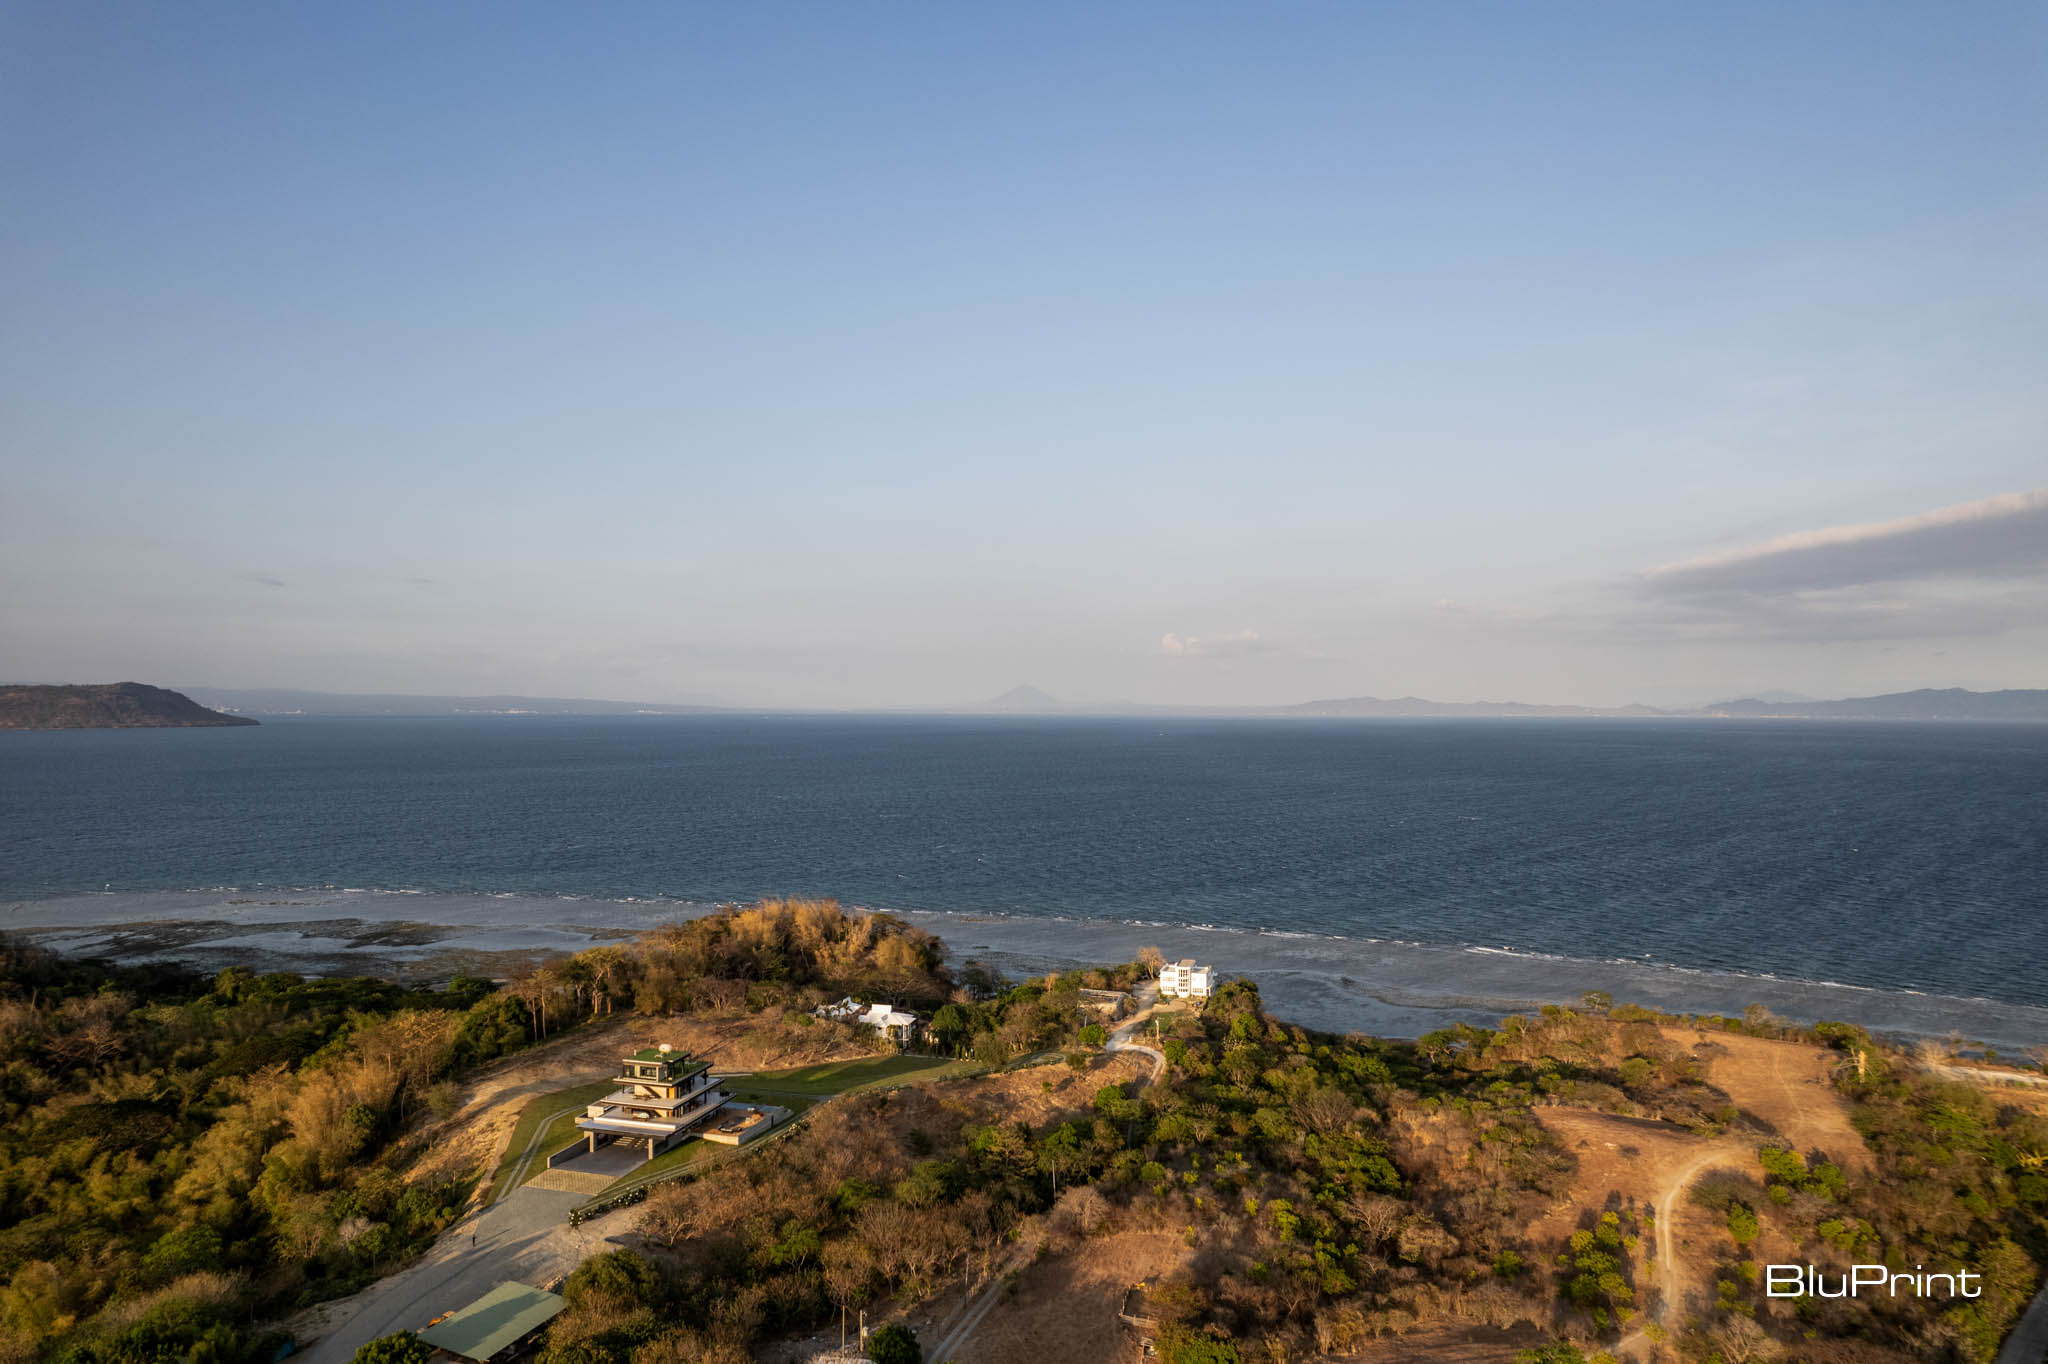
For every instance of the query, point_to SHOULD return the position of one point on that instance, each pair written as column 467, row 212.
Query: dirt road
column 1670, row 1270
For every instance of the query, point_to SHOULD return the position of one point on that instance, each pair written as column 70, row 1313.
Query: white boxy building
column 1185, row 980
column 898, row 1025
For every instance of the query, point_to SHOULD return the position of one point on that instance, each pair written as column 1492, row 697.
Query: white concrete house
column 1185, row 980
column 898, row 1025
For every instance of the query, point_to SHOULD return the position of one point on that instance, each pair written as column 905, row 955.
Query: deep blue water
column 1893, row 856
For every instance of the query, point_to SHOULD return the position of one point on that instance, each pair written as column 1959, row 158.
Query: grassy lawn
column 799, row 1089
column 540, row 1108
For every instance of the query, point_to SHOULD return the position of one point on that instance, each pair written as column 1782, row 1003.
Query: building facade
column 662, row 1094
column 1185, row 980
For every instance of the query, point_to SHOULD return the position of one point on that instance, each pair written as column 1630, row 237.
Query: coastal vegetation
column 183, row 1159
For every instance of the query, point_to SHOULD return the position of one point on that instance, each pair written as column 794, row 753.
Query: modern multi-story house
column 662, row 1095
column 1185, row 980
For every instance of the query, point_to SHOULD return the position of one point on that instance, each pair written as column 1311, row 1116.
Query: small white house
column 898, row 1025
column 1185, row 980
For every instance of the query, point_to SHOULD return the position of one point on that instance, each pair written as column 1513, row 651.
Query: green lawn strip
column 540, row 1107
column 840, row 1077
column 796, row 1090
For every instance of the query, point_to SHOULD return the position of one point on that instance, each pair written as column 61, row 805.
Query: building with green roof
column 495, row 1326
column 662, row 1094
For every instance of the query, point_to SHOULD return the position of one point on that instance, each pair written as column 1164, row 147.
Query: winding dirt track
column 1670, row 1273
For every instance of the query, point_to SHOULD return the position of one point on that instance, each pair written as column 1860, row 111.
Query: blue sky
column 890, row 354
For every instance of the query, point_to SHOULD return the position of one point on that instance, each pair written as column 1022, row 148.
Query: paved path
column 2028, row 1343
column 516, row 1176
column 524, row 1236
column 1125, row 1036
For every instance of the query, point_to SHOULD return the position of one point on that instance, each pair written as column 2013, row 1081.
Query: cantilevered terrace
column 662, row 1094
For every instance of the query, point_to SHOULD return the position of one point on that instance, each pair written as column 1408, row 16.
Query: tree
column 894, row 1344
column 1178, row 1345
column 951, row 1025
column 182, row 1251
column 1563, row 1352
column 849, row 1271
column 607, row 965
column 1060, row 1149
column 401, row 1348
column 621, row 1277
column 1152, row 959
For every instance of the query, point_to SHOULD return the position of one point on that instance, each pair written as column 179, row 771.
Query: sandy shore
column 1338, row 984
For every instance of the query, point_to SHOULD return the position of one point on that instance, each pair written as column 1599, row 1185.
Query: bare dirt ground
column 1780, row 1086
column 1784, row 1087
column 1065, row 1306
column 1455, row 1345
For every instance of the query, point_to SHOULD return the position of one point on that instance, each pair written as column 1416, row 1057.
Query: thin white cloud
column 2002, row 537
column 1977, row 568
column 1212, row 646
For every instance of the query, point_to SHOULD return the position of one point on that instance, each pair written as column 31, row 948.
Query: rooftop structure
column 662, row 1094
column 496, row 1325
column 1185, row 980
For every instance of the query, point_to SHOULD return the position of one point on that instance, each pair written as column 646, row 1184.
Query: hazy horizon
column 1184, row 355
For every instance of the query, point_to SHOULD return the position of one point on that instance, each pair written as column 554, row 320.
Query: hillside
column 1417, row 706
column 281, row 701
column 1945, row 703
column 109, row 705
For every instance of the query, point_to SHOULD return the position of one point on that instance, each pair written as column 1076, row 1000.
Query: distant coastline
column 1927, row 704
column 111, row 705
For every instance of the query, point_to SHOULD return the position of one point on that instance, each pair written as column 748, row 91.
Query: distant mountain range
column 135, row 705
column 1946, row 703
column 110, row 705
column 1952, row 703
column 272, row 701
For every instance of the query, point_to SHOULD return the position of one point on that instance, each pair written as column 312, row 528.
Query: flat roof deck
column 495, row 1322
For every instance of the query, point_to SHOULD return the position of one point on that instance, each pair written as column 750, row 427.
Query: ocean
column 1382, row 873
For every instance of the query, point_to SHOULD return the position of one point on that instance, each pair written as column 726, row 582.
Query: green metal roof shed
column 494, row 1323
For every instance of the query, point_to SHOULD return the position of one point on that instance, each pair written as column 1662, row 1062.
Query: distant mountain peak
column 1024, row 697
